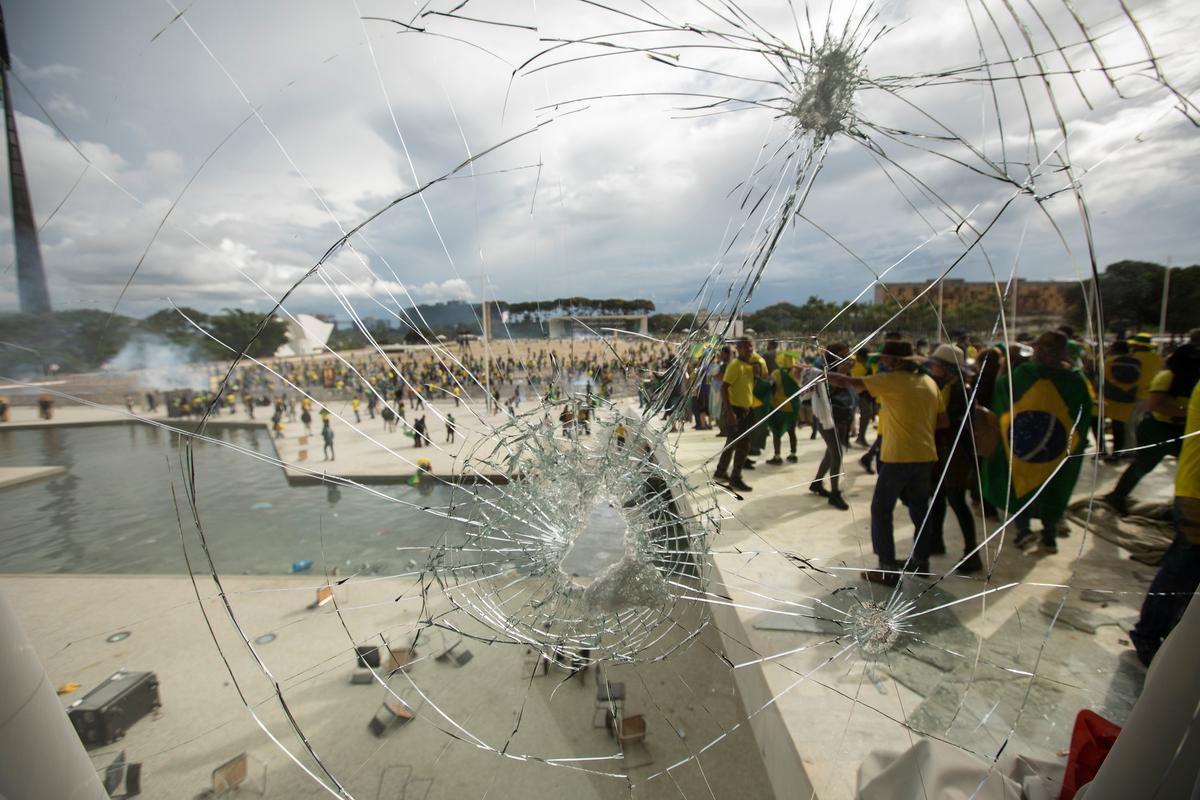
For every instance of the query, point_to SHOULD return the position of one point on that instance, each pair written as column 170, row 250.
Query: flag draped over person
column 784, row 396
column 1042, row 421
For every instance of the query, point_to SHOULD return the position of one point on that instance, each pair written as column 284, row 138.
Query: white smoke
column 158, row 363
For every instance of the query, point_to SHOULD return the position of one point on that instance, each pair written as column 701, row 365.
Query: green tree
column 1131, row 297
column 172, row 324
column 239, row 329
column 669, row 323
column 79, row 340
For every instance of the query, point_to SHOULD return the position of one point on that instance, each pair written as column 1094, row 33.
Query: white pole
column 941, row 320
column 1162, row 317
column 487, row 355
column 40, row 753
column 1013, row 314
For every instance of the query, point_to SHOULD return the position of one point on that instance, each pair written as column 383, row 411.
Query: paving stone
column 1078, row 618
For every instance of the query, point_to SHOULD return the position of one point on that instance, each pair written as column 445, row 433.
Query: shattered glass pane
column 520, row 572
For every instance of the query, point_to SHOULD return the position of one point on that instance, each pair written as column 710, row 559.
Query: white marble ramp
column 15, row 476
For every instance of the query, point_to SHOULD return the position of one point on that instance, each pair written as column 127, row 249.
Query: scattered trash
column 119, row 636
column 324, row 595
column 260, row 506
column 266, row 638
column 67, row 688
column 301, row 565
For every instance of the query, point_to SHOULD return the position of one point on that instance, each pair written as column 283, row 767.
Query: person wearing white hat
column 955, row 468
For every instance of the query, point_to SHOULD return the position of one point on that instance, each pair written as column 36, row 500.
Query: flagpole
column 1162, row 317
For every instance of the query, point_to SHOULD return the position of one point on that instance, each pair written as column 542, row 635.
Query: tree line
column 1131, row 295
column 83, row 340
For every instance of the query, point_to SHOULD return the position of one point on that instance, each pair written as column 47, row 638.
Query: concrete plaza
column 989, row 670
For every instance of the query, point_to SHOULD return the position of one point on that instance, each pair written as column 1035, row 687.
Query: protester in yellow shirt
column 760, row 392
column 908, row 402
column 1179, row 573
column 737, row 402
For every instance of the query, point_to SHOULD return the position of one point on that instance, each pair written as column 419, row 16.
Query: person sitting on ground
column 1043, row 420
column 908, row 403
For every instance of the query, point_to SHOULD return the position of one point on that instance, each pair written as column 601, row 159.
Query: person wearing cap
column 1178, row 574
column 1159, row 432
column 955, row 467
column 737, row 402
column 1044, row 420
column 908, row 401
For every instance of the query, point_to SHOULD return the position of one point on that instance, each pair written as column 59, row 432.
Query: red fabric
column 1091, row 740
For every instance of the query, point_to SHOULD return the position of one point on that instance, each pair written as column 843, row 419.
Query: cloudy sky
column 226, row 150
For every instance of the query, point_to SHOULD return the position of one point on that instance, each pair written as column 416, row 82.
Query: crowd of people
column 393, row 386
column 1002, row 428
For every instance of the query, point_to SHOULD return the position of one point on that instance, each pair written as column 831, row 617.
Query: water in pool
column 112, row 512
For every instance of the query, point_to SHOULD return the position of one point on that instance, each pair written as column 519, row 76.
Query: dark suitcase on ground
column 104, row 714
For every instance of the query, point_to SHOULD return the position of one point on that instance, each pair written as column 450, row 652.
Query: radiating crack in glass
column 600, row 527
column 594, row 549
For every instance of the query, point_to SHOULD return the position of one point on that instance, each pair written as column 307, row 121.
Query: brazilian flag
column 1047, row 420
column 1122, row 373
column 786, row 410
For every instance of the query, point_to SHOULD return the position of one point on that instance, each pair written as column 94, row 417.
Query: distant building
column 590, row 325
column 722, row 324
column 1032, row 297
column 305, row 335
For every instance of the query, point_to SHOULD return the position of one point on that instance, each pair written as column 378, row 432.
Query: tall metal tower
column 31, row 275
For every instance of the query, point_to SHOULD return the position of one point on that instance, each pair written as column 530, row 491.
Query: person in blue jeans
column 1179, row 573
column 327, row 438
